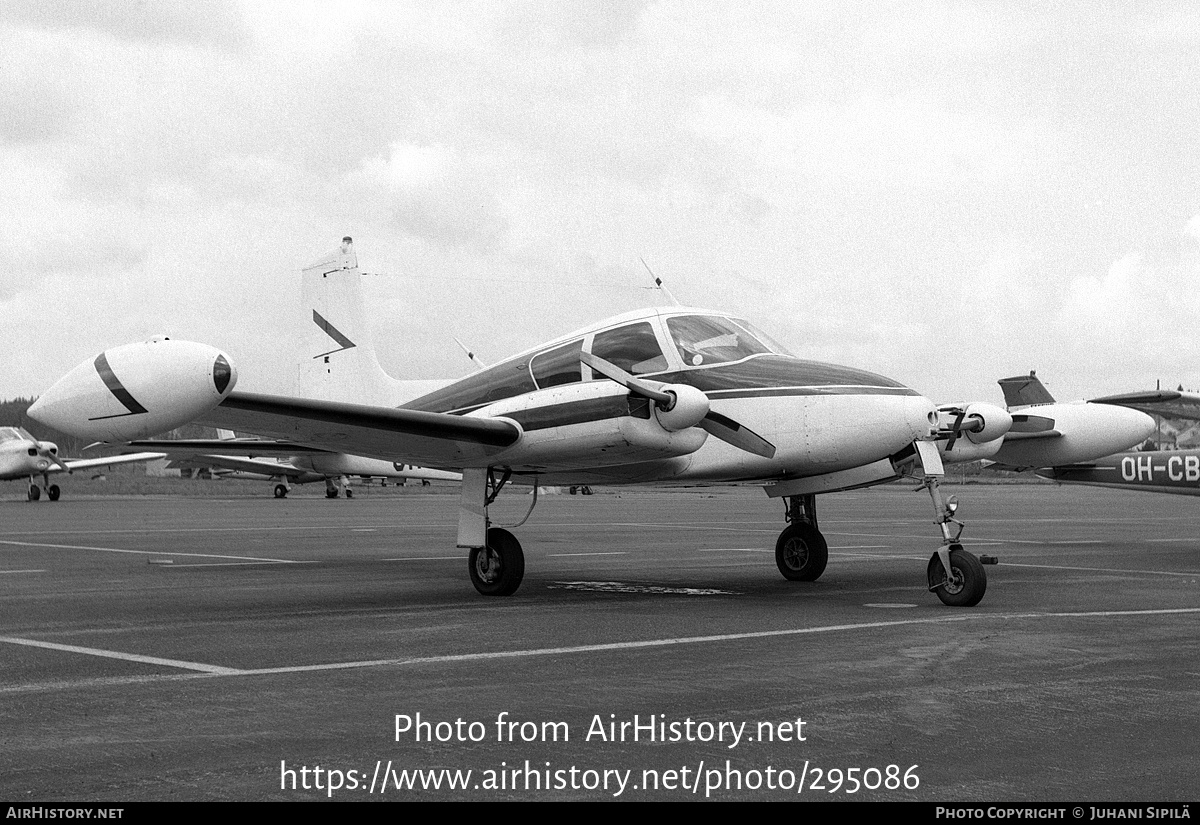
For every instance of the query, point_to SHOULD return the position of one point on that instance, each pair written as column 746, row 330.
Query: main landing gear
column 35, row 492
column 333, row 487
column 496, row 562
column 801, row 552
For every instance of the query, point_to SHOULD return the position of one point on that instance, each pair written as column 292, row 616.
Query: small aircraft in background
column 668, row 396
column 24, row 457
column 291, row 464
column 1150, row 470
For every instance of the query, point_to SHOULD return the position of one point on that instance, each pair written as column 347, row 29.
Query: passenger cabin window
column 633, row 348
column 709, row 339
column 557, row 366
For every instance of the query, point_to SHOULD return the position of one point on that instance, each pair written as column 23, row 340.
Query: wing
column 107, row 461
column 1170, row 403
column 416, row 437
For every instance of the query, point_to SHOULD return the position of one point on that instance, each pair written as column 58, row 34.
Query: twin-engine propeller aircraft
column 659, row 396
column 24, row 457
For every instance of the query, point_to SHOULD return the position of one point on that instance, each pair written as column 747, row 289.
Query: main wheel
column 34, row 492
column 801, row 553
column 349, row 493
column 53, row 492
column 965, row 585
column 331, row 492
column 281, row 491
column 497, row 570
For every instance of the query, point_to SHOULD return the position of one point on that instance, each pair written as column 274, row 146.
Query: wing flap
column 413, row 436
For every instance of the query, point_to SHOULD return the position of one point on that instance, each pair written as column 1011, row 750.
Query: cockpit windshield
column 712, row 339
column 14, row 434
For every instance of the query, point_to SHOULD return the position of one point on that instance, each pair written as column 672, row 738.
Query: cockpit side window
column 710, row 339
column 557, row 366
column 10, row 434
column 633, row 348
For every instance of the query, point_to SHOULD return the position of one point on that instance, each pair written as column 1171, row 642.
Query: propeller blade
column 731, row 432
column 715, row 424
column 613, row 372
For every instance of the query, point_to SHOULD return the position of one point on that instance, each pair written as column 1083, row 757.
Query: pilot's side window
column 633, row 348
column 557, row 366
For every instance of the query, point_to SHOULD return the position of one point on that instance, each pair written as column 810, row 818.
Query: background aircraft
column 285, row 464
column 1150, row 470
column 665, row 396
column 24, row 457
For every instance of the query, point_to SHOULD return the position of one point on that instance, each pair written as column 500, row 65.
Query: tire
column 331, row 493
column 801, row 553
column 349, row 493
column 34, row 492
column 280, row 491
column 968, row 584
column 498, row 569
column 53, row 492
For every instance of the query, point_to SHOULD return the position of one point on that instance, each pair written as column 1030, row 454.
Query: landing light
column 952, row 505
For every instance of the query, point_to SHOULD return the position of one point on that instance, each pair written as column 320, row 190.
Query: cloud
column 213, row 23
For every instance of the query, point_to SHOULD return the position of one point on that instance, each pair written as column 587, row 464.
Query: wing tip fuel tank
column 137, row 390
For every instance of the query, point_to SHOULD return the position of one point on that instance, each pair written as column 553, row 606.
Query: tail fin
column 337, row 358
column 1024, row 391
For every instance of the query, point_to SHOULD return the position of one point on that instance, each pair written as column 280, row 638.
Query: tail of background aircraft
column 1024, row 390
column 337, row 357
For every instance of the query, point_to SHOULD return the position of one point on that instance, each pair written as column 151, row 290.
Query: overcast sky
column 945, row 193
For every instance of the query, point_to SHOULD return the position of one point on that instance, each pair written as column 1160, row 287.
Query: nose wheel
column 966, row 583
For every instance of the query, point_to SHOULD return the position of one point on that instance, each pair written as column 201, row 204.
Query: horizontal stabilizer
column 235, row 446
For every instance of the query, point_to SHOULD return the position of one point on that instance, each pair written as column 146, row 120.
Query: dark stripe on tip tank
column 117, row 389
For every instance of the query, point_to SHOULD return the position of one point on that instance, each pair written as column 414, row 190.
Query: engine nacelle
column 1076, row 432
column 592, row 424
column 137, row 390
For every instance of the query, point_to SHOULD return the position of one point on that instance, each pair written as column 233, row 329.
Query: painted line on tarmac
column 1122, row 571
column 693, row 640
column 605, row 553
column 128, row 657
column 214, row 671
column 146, row 552
column 22, row 571
column 428, row 558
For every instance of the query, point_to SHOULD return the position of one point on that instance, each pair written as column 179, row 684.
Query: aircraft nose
column 920, row 415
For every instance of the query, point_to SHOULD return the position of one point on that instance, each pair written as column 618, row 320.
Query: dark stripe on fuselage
column 779, row 372
column 117, row 389
column 761, row 376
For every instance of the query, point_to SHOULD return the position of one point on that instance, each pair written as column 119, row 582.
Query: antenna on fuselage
column 659, row 284
column 479, row 365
